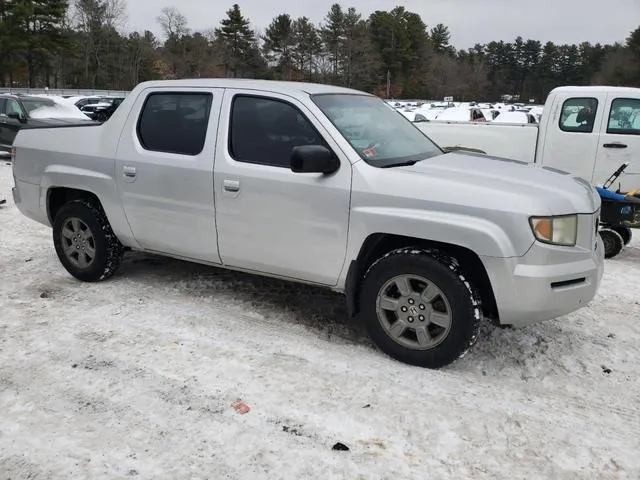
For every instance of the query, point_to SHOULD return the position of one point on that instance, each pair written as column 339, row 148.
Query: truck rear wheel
column 85, row 244
column 613, row 242
column 419, row 308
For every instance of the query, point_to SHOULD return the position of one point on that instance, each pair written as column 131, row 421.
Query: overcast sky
column 470, row 21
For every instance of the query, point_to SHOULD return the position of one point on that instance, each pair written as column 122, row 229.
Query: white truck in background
column 587, row 131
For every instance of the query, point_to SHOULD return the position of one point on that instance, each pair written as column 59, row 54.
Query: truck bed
column 515, row 141
column 39, row 123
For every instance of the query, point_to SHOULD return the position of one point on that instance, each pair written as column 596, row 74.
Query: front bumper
column 546, row 283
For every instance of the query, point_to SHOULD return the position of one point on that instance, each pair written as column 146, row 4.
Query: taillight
column 13, row 154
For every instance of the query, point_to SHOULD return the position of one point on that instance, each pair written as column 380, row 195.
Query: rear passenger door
column 164, row 171
column 620, row 142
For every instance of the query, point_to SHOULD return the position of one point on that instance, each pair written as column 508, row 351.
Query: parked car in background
column 462, row 114
column 82, row 101
column 33, row 111
column 515, row 117
column 102, row 110
column 413, row 115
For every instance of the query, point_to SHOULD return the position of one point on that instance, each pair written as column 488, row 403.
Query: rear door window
column 175, row 122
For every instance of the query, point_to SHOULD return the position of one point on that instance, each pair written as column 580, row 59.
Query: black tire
column 613, row 242
column 108, row 249
column 443, row 272
column 624, row 232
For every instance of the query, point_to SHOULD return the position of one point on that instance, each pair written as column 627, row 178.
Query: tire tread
column 114, row 251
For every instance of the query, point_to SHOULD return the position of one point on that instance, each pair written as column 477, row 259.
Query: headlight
column 561, row 230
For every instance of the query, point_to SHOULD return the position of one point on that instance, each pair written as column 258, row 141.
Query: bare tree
column 174, row 27
column 116, row 14
column 173, row 23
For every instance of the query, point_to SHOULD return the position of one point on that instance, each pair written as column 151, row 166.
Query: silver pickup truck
column 322, row 185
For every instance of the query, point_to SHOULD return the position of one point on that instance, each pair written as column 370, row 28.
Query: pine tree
column 278, row 42
column 440, row 38
column 332, row 34
column 36, row 28
column 238, row 42
column 306, row 46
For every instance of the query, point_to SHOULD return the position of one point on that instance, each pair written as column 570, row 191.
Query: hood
column 500, row 183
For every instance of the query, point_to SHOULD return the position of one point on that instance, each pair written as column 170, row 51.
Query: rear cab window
column 175, row 122
column 578, row 115
column 624, row 117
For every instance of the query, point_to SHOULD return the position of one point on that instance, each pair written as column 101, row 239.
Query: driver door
column 270, row 219
column 620, row 142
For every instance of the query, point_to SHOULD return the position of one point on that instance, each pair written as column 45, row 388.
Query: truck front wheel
column 85, row 244
column 419, row 308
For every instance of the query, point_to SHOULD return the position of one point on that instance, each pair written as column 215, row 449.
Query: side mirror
column 17, row 116
column 313, row 159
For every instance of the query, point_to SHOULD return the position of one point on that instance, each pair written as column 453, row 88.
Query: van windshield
column 381, row 136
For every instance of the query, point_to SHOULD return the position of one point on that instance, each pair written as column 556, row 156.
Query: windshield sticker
column 370, row 152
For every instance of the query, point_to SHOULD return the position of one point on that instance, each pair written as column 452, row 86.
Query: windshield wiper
column 406, row 163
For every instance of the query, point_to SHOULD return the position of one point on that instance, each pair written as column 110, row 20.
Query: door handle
column 614, row 145
column 129, row 172
column 231, row 185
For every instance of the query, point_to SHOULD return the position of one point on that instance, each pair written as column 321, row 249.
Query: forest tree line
column 82, row 44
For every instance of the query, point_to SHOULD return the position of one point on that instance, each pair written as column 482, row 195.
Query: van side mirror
column 17, row 116
column 313, row 159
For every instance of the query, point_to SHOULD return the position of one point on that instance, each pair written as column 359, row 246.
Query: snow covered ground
column 135, row 378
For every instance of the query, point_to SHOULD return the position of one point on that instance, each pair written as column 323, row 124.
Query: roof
column 22, row 96
column 274, row 86
column 599, row 89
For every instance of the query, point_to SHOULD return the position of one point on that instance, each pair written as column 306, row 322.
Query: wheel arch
column 378, row 244
column 57, row 197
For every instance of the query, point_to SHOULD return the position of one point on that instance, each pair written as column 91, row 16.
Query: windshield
column 32, row 104
column 381, row 136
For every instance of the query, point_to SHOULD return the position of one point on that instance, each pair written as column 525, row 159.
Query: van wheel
column 419, row 308
column 85, row 244
column 624, row 232
column 613, row 242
